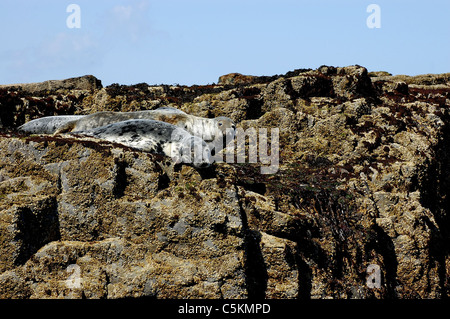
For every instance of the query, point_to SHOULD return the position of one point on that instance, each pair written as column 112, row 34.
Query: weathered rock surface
column 87, row 82
column 363, row 179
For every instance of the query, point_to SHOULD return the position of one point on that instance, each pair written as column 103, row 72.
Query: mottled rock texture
column 364, row 179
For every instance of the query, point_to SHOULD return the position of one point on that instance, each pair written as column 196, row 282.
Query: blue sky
column 194, row 42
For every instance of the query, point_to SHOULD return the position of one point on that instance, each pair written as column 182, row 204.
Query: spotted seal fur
column 155, row 137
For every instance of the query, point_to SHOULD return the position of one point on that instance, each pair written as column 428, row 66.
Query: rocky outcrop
column 363, row 180
column 87, row 82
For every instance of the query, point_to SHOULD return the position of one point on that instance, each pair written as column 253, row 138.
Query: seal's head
column 225, row 131
column 225, row 125
column 189, row 149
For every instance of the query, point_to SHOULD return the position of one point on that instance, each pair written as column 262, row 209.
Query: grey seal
column 208, row 129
